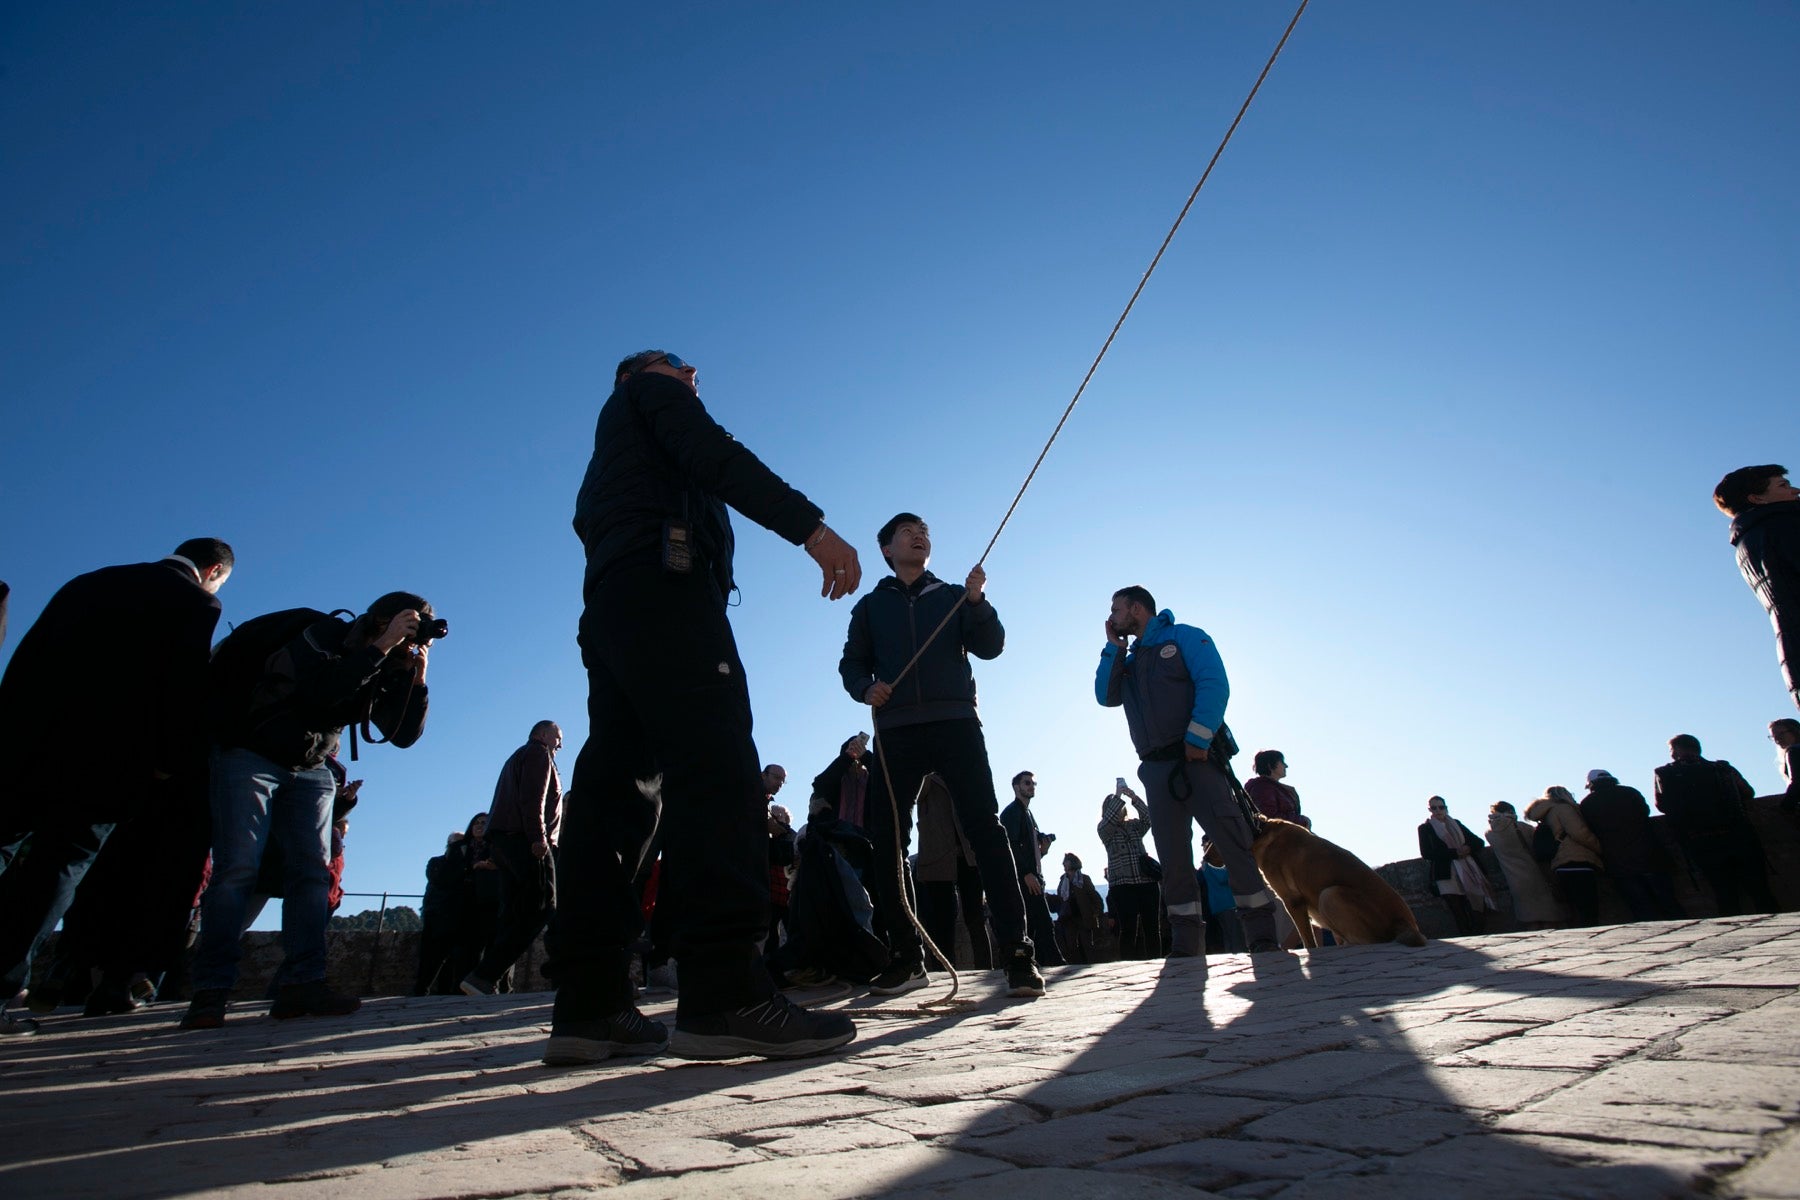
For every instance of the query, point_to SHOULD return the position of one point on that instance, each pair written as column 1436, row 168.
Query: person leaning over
column 111, row 676
column 927, row 723
column 270, row 779
column 1765, row 528
column 1171, row 682
column 1639, row 866
column 669, row 735
column 521, row 830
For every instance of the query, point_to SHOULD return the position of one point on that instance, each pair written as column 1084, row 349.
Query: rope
column 894, row 807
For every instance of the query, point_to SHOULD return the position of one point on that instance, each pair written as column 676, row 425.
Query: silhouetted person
column 111, row 676
column 1635, row 860
column 1765, row 527
column 1705, row 800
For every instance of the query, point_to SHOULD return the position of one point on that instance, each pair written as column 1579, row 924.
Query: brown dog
column 1323, row 882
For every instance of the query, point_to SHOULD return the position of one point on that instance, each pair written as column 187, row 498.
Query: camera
column 430, row 629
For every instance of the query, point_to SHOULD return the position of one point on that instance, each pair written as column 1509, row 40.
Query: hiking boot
column 474, row 985
column 1022, row 975
column 313, row 999
column 898, row 980
column 628, row 1031
column 45, row 998
column 207, row 1009
column 772, row 1028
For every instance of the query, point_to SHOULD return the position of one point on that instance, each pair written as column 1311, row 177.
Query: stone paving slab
column 1632, row 1061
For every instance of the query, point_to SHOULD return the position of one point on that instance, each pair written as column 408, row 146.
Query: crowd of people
column 658, row 857
column 1555, row 859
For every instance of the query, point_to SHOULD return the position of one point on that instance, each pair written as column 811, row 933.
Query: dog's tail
column 1410, row 936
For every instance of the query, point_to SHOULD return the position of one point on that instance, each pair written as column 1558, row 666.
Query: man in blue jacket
column 1173, row 686
column 926, row 722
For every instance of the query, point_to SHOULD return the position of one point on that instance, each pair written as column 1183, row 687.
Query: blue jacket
column 887, row 628
column 1171, row 682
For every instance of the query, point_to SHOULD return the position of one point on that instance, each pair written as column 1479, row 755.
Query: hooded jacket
column 1172, row 683
column 888, row 626
column 1767, row 538
column 660, row 457
column 1576, row 845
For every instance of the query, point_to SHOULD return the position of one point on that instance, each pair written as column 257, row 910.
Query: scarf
column 1466, row 871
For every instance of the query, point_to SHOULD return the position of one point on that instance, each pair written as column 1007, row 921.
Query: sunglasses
column 673, row 361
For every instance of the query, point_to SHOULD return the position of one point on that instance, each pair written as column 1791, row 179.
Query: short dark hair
column 1785, row 724
column 1734, row 491
column 541, row 726
column 1268, row 760
column 1504, row 806
column 207, row 552
column 631, row 364
column 886, row 532
column 1019, row 776
column 392, row 604
column 1686, row 743
column 1137, row 595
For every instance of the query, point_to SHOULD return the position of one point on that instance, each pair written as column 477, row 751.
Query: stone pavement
column 1634, row 1061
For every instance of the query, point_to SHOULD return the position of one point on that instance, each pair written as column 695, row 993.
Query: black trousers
column 957, row 751
column 938, row 904
column 1042, row 926
column 527, row 899
column 1735, row 870
column 1137, row 907
column 669, row 742
column 1648, row 894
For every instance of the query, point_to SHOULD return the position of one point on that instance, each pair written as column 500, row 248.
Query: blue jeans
column 253, row 798
column 36, row 890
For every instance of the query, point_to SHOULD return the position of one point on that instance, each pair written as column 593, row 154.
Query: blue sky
column 1419, row 418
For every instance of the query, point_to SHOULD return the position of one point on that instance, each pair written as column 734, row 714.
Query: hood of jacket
column 1762, row 514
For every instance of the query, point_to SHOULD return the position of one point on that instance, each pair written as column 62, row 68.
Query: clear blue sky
column 1419, row 418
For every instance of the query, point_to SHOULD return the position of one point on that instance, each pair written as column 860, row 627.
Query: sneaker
column 207, row 1009
column 17, row 1026
column 474, row 985
column 900, row 979
column 1022, row 976
column 773, row 1028
column 313, row 999
column 628, row 1031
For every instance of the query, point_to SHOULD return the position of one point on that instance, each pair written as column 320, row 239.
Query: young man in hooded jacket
column 1765, row 528
column 926, row 722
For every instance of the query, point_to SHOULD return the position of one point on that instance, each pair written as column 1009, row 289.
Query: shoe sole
column 203, row 1022
column 1026, row 989
column 712, row 1047
column 911, row 985
column 581, row 1052
column 470, row 990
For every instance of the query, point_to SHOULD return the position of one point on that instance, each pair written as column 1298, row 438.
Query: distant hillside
column 400, row 918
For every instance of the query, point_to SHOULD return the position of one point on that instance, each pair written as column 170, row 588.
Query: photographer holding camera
column 284, row 686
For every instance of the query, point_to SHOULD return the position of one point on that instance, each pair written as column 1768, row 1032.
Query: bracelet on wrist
column 817, row 537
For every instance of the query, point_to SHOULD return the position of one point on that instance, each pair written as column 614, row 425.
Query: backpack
column 1543, row 842
column 239, row 662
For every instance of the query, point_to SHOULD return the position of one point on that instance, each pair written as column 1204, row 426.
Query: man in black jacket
column 521, row 830
column 926, row 722
column 1765, row 527
column 1028, row 857
column 110, row 676
column 270, row 780
column 1705, row 800
column 669, row 735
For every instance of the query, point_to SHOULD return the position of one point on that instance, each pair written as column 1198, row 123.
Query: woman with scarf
column 1577, row 863
column 1450, row 846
